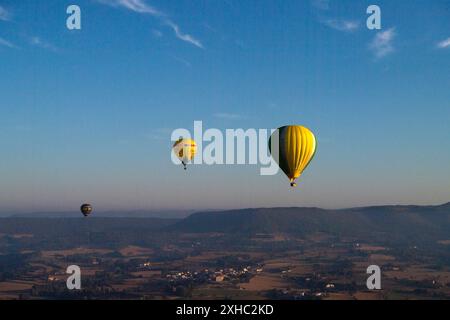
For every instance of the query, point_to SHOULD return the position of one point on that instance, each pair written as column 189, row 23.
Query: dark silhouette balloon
column 86, row 209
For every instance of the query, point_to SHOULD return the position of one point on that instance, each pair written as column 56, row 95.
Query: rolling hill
column 406, row 221
column 379, row 222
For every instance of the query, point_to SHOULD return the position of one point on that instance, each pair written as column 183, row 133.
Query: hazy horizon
column 185, row 212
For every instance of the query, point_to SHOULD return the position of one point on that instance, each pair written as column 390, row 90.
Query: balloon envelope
column 297, row 146
column 86, row 209
column 185, row 150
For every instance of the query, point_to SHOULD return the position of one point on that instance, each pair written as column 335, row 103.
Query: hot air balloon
column 185, row 150
column 297, row 146
column 86, row 209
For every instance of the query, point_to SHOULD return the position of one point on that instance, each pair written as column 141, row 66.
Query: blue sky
column 86, row 115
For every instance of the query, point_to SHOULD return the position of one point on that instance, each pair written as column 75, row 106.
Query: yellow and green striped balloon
column 185, row 150
column 297, row 146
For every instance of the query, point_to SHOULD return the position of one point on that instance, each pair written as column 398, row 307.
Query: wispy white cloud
column 382, row 44
column 5, row 15
column 345, row 25
column 321, row 4
column 444, row 43
column 140, row 6
column 38, row 42
column 6, row 43
column 182, row 61
column 183, row 36
column 159, row 134
column 342, row 25
column 228, row 116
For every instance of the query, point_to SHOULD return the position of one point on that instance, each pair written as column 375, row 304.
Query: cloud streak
column 183, row 36
column 382, row 44
column 4, row 14
column 338, row 24
column 157, row 33
column 444, row 43
column 38, row 42
column 159, row 134
column 342, row 25
column 6, row 43
column 182, row 61
column 140, row 6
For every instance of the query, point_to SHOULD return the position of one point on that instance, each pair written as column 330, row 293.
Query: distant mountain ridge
column 396, row 222
column 404, row 220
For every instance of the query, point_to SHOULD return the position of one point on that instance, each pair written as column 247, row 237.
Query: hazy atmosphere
column 87, row 116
